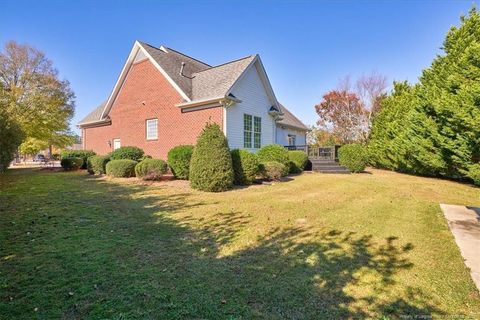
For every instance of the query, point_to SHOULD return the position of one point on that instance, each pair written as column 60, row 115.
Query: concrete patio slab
column 464, row 222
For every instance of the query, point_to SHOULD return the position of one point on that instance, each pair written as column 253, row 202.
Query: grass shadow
column 97, row 249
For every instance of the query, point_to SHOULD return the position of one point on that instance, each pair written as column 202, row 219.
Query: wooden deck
column 324, row 158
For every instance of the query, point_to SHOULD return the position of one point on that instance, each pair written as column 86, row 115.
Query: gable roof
column 290, row 120
column 196, row 83
column 94, row 116
column 217, row 81
column 171, row 61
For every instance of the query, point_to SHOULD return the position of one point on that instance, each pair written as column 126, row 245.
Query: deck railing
column 317, row 152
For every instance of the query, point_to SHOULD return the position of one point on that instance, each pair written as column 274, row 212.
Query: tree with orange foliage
column 347, row 113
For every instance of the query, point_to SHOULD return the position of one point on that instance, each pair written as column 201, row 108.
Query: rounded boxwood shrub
column 179, row 160
column 131, row 153
column 211, row 164
column 97, row 164
column 353, row 156
column 84, row 154
column 272, row 170
column 298, row 161
column 245, row 166
column 274, row 152
column 123, row 168
column 151, row 169
column 72, row 163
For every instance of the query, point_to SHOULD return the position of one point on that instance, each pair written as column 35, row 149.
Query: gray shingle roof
column 216, row 81
column 201, row 81
column 290, row 120
column 171, row 62
column 94, row 115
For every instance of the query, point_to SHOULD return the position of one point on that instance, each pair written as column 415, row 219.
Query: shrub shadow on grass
column 129, row 256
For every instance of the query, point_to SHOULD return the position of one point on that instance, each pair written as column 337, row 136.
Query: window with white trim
column 247, row 130
column 257, row 132
column 116, row 144
column 252, row 131
column 152, row 129
column 292, row 139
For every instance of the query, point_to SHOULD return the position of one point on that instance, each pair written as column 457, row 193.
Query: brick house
column 164, row 98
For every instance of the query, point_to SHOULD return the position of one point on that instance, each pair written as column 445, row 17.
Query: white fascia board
column 266, row 82
column 263, row 77
column 218, row 100
column 120, row 79
column 126, row 68
column 170, row 80
column 242, row 75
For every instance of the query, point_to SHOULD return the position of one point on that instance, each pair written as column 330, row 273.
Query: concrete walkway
column 464, row 222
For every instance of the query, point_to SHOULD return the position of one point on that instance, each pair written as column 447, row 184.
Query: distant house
column 163, row 98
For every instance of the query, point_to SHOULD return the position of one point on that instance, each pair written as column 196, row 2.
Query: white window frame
column 247, row 131
column 115, row 141
column 292, row 139
column 257, row 132
column 151, row 135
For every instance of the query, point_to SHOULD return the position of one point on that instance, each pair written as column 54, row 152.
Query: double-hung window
column 252, row 131
column 247, row 130
column 152, row 129
column 257, row 132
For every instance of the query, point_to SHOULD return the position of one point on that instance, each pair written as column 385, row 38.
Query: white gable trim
column 173, row 83
column 257, row 62
column 123, row 75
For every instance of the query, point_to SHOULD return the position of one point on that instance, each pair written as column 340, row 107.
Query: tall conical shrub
column 211, row 164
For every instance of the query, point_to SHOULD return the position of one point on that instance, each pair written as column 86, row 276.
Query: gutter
column 96, row 123
column 208, row 103
column 293, row 127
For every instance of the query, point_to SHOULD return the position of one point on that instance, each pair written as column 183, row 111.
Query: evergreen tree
column 433, row 128
column 211, row 164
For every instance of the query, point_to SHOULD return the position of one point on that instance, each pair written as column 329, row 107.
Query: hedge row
column 210, row 165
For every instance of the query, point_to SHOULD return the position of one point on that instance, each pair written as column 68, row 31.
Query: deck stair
column 327, row 166
column 323, row 158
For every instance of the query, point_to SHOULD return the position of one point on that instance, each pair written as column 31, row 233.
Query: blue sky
column 306, row 46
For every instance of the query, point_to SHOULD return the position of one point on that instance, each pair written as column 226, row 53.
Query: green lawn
column 316, row 247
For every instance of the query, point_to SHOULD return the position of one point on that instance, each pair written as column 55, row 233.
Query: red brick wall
column 145, row 83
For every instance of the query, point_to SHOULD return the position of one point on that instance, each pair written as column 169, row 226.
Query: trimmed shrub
column 84, row 154
column 130, row 153
column 179, row 160
column 122, row 168
column 298, row 161
column 353, row 156
column 211, row 163
column 97, row 164
column 151, row 169
column 146, row 156
column 245, row 167
column 272, row 170
column 72, row 163
column 274, row 152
